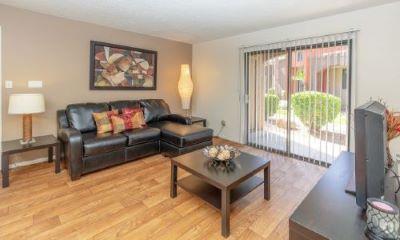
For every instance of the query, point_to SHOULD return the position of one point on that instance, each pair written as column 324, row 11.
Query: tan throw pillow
column 103, row 121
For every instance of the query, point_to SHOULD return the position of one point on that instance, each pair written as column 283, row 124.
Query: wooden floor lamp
column 26, row 104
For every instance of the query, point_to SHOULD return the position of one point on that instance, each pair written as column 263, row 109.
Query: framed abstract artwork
column 116, row 67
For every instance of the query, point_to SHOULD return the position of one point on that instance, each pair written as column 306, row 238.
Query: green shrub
column 315, row 109
column 271, row 103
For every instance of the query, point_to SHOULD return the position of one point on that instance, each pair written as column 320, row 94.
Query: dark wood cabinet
column 328, row 212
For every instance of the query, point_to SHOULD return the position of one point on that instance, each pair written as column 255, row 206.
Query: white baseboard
column 27, row 163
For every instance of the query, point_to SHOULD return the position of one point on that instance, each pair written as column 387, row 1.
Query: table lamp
column 185, row 87
column 26, row 104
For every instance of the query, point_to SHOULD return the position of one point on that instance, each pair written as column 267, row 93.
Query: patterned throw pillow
column 130, row 110
column 126, row 122
column 120, row 123
column 103, row 121
column 138, row 117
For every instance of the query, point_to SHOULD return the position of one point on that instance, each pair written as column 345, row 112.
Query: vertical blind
column 298, row 96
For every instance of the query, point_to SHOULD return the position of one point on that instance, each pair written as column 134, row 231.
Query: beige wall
column 216, row 66
column 56, row 51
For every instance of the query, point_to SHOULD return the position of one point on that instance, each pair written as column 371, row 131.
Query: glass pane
column 319, row 101
column 268, row 100
column 276, row 92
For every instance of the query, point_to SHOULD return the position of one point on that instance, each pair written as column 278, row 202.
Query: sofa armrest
column 176, row 118
column 71, row 140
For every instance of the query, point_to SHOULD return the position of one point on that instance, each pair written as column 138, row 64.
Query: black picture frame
column 93, row 86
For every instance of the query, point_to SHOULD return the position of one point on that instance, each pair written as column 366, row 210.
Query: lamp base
column 22, row 142
column 27, row 130
column 188, row 113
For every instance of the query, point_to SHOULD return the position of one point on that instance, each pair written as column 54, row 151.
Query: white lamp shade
column 185, row 86
column 26, row 103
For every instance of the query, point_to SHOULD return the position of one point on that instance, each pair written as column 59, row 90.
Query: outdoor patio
column 323, row 145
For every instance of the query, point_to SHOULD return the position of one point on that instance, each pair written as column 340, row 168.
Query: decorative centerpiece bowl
column 221, row 154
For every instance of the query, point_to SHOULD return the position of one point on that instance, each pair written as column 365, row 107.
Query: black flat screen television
column 370, row 151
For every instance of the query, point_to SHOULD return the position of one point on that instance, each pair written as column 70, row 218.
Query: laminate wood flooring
column 131, row 201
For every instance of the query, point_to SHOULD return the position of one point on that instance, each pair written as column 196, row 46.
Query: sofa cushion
column 183, row 135
column 94, row 143
column 142, row 135
column 80, row 115
column 119, row 105
column 154, row 109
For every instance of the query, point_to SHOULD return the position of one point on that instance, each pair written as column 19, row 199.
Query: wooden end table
column 217, row 187
column 199, row 120
column 14, row 146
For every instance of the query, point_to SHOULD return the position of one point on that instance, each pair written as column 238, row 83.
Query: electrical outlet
column 8, row 84
column 223, row 123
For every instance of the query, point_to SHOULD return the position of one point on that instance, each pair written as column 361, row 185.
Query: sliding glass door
column 267, row 74
column 298, row 98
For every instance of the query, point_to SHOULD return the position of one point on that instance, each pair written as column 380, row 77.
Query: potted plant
column 393, row 131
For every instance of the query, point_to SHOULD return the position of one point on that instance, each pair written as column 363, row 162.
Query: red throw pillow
column 121, row 123
column 130, row 110
column 137, row 115
column 126, row 122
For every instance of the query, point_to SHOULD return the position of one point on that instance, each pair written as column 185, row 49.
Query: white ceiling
column 192, row 21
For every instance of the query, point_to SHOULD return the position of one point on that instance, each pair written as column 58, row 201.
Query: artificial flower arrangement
column 221, row 152
column 221, row 157
column 393, row 130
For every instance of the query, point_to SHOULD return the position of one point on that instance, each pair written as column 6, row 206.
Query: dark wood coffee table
column 217, row 187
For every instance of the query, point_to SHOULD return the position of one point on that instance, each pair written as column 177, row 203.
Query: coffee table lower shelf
column 212, row 194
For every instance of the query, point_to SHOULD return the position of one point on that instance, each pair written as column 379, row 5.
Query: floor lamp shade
column 185, row 86
column 26, row 104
